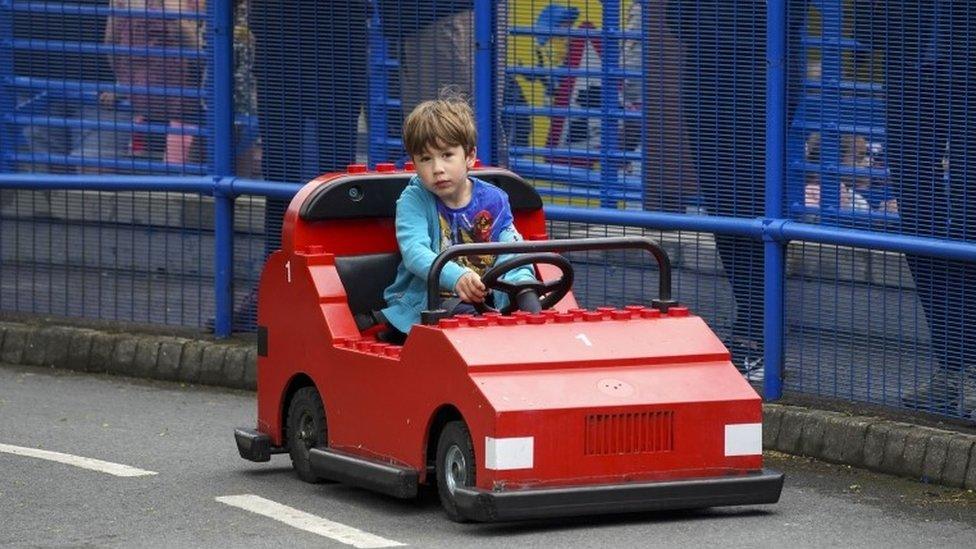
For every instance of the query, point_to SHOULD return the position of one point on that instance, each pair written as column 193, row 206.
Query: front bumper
column 749, row 489
column 254, row 445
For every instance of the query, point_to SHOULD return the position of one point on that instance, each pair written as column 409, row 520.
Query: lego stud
column 478, row 322
column 678, row 311
column 620, row 315
column 384, row 167
column 356, row 168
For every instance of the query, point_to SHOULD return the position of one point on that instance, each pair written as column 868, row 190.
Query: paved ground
column 184, row 435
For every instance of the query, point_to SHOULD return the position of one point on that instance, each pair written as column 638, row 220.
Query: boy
column 440, row 207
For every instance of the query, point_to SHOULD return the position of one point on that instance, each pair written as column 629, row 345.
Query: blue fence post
column 222, row 107
column 609, row 100
column 774, row 272
column 8, row 135
column 484, row 78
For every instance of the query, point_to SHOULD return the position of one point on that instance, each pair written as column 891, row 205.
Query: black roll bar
column 663, row 301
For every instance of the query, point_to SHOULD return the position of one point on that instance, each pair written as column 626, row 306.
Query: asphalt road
column 184, row 435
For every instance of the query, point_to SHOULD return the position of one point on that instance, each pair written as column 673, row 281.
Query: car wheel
column 306, row 430
column 455, row 466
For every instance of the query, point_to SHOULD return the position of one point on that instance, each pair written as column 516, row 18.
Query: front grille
column 629, row 433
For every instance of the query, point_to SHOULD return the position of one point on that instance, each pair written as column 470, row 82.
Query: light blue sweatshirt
column 418, row 235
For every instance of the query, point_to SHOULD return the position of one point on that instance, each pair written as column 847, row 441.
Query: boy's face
column 444, row 171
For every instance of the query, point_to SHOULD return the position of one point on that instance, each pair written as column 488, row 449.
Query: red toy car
column 523, row 415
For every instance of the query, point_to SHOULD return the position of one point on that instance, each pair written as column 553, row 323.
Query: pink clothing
column 140, row 30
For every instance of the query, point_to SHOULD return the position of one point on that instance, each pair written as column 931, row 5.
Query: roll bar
column 663, row 301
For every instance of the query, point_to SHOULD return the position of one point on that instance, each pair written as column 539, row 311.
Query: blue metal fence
column 759, row 141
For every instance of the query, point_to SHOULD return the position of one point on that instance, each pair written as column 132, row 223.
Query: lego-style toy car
column 512, row 414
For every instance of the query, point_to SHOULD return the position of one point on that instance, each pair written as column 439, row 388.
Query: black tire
column 455, row 465
column 306, row 429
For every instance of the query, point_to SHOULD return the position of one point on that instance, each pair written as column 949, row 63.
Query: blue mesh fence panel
column 140, row 257
column 110, row 88
column 882, row 141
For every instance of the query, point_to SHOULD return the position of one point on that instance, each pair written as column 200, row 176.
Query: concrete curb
column 922, row 453
column 169, row 358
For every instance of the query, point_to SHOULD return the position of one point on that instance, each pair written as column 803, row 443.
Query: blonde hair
column 440, row 122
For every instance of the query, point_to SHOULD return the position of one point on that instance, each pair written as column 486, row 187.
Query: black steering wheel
column 530, row 295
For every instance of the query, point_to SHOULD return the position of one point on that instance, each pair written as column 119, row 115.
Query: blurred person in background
column 929, row 49
column 723, row 105
column 140, row 31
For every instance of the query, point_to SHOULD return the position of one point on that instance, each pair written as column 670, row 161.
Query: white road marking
column 308, row 522
column 116, row 469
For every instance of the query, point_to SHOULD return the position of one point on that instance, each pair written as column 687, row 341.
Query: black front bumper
column 749, row 489
column 255, row 445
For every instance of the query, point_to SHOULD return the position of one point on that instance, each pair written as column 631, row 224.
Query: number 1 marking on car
column 288, row 270
column 584, row 339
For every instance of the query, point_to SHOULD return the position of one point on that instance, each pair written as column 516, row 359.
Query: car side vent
column 629, row 433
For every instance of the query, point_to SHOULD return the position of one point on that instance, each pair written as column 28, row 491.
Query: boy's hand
column 470, row 288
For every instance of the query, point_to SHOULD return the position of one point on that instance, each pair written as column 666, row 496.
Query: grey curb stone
column 170, row 354
column 772, row 419
column 874, row 446
column 79, row 350
column 14, row 341
column 971, row 472
column 34, row 348
column 234, row 366
column 251, row 368
column 191, row 361
column 811, row 439
column 936, row 452
column 58, row 342
column 845, row 439
column 102, row 350
column 123, row 356
column 147, row 353
column 790, row 431
column 913, row 458
column 212, row 365
column 957, row 460
column 894, row 449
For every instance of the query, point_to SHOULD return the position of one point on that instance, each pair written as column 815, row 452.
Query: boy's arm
column 525, row 272
column 416, row 248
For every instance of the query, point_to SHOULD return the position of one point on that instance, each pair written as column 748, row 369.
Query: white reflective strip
column 743, row 439
column 308, row 522
column 509, row 453
column 116, row 469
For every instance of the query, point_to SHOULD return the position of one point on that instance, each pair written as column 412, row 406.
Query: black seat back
column 365, row 277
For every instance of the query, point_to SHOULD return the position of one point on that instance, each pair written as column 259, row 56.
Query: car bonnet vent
column 629, row 433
